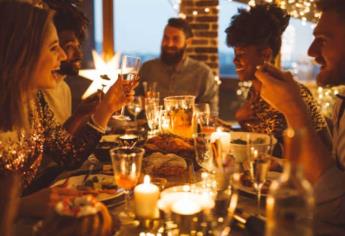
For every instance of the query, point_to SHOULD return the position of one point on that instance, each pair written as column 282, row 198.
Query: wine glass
column 126, row 163
column 129, row 72
column 259, row 164
column 136, row 106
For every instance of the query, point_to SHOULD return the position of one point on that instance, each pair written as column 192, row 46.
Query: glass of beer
column 181, row 111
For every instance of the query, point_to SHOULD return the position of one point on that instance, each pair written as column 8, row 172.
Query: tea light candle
column 186, row 206
column 128, row 137
column 224, row 138
column 146, row 196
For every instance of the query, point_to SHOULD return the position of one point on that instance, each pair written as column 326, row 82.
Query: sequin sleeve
column 65, row 149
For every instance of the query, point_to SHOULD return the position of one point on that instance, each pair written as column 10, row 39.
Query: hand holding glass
column 129, row 72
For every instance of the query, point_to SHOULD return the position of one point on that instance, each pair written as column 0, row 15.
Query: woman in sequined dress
column 30, row 58
column 256, row 36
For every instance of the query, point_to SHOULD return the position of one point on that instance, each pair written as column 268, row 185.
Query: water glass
column 135, row 106
column 203, row 114
column 152, row 110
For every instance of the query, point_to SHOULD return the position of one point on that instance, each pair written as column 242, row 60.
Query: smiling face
column 328, row 49
column 247, row 58
column 46, row 76
column 173, row 46
column 71, row 45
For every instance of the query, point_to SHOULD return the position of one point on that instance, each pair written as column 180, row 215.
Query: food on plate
column 78, row 216
column 160, row 164
column 96, row 185
column 255, row 141
column 169, row 143
column 246, row 181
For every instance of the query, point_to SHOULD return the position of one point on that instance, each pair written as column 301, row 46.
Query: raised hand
column 120, row 94
column 278, row 88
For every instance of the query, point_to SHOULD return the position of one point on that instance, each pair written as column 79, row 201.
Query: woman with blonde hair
column 30, row 58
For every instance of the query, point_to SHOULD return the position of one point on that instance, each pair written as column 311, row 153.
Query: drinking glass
column 152, row 110
column 136, row 106
column 150, row 90
column 203, row 113
column 129, row 72
column 126, row 163
column 181, row 112
column 259, row 164
column 204, row 151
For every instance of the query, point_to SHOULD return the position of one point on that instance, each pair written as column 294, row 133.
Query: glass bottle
column 290, row 202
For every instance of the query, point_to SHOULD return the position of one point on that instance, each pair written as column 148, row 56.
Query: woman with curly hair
column 256, row 36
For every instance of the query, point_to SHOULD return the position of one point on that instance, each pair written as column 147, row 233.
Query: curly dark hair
column 68, row 16
column 332, row 5
column 182, row 25
column 262, row 25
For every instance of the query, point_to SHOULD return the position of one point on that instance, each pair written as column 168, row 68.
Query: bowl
column 239, row 141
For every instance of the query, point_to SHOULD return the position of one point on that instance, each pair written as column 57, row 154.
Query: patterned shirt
column 191, row 77
column 268, row 120
column 23, row 154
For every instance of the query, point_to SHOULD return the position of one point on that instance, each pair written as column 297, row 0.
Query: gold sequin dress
column 24, row 153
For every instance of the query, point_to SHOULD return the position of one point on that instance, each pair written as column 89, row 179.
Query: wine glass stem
column 127, row 198
column 259, row 198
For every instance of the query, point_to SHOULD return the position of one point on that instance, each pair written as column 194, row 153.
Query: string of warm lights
column 301, row 9
column 325, row 97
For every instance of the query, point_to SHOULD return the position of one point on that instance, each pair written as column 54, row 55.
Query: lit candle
column 224, row 138
column 145, row 197
column 186, row 206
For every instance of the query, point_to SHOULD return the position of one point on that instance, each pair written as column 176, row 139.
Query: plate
column 272, row 175
column 75, row 181
column 109, row 138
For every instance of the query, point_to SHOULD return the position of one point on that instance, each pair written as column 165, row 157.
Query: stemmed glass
column 259, row 164
column 129, row 71
column 126, row 163
column 136, row 106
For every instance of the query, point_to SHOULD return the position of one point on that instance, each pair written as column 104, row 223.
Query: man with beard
column 176, row 74
column 322, row 169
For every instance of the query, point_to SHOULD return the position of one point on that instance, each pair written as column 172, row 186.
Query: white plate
column 272, row 175
column 74, row 181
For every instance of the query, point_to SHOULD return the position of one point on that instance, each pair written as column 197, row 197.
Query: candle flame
column 147, row 179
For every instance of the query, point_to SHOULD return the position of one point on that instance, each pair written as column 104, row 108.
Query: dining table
column 246, row 206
